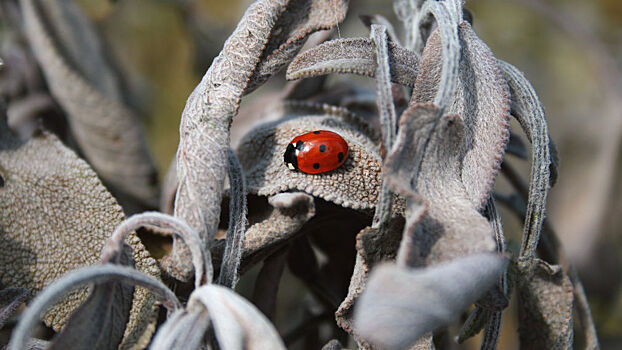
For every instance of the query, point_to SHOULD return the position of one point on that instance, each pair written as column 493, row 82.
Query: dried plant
column 407, row 229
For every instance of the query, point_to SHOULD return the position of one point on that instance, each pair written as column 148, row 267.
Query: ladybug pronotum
column 316, row 152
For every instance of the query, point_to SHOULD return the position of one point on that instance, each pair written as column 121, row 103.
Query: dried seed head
column 353, row 185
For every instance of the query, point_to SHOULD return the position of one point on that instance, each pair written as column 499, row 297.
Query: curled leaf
column 238, row 325
column 400, row 305
column 481, row 99
column 108, row 133
column 204, row 131
column 296, row 23
column 353, row 56
column 426, row 160
column 278, row 224
column 353, row 185
column 77, row 278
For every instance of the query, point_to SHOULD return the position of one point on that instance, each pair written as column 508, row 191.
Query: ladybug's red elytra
column 316, row 152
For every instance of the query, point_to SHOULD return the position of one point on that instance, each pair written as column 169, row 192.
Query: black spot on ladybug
column 322, row 148
column 340, row 156
column 316, row 165
column 316, row 132
column 300, row 145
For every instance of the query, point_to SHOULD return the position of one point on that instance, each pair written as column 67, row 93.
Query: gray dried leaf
column 287, row 213
column 388, row 117
column 299, row 20
column 184, row 330
column 528, row 111
column 373, row 245
column 205, row 127
column 545, row 309
column 426, row 161
column 65, row 202
column 99, row 323
column 237, row 324
column 10, row 301
column 333, row 344
column 481, row 100
column 400, row 305
column 353, row 185
column 232, row 256
column 78, row 278
column 353, row 56
column 108, row 133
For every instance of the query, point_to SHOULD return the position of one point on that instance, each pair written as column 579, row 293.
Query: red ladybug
column 316, row 152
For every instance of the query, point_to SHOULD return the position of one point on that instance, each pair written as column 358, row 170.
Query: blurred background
column 570, row 50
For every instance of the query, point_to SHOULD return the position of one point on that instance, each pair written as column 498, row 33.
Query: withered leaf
column 296, row 23
column 55, row 216
column 204, row 131
column 353, row 56
column 184, row 330
column 400, row 305
column 102, row 274
column 353, row 185
column 237, row 324
column 108, row 133
column 99, row 323
column 373, row 246
column 426, row 160
column 10, row 301
column 285, row 214
column 545, row 310
column 481, row 99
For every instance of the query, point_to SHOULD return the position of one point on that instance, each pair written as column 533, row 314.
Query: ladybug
column 316, row 152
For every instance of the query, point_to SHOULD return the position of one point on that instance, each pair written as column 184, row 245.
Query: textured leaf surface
column 401, row 305
column 238, row 325
column 481, row 99
column 373, row 246
column 545, row 310
column 107, row 132
column 204, row 130
column 270, row 229
column 55, row 216
column 354, row 56
column 353, row 185
column 99, row 323
column 298, row 21
column 426, row 160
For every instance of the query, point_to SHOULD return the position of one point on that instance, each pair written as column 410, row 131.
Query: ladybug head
column 290, row 157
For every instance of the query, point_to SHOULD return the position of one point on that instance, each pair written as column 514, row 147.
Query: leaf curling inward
column 353, row 185
column 66, row 204
column 425, row 164
column 481, row 99
column 354, row 56
column 297, row 21
column 278, row 222
column 400, row 305
column 237, row 323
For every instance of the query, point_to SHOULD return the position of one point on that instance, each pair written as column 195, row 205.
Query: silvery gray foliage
column 204, row 131
column 400, row 305
column 94, row 274
column 237, row 324
column 426, row 178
